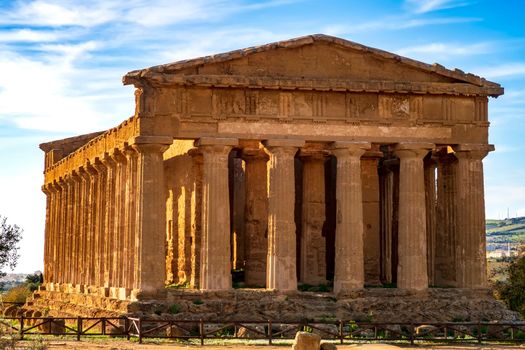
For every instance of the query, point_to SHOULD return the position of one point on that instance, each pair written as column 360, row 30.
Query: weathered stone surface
column 328, row 346
column 314, row 158
column 306, row 341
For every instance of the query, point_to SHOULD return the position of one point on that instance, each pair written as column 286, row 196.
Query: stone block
column 306, row 341
column 328, row 346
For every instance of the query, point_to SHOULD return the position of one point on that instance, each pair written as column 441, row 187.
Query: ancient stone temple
column 308, row 161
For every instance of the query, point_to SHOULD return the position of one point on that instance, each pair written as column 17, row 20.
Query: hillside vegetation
column 504, row 233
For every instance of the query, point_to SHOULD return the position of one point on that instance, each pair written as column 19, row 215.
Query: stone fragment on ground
column 306, row 341
column 328, row 346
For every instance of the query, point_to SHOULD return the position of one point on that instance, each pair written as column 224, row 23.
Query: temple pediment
column 315, row 62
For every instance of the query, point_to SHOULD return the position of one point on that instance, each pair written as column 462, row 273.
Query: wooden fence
column 341, row 331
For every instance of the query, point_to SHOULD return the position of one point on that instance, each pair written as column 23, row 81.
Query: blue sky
column 61, row 63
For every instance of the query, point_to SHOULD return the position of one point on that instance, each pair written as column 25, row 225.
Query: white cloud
column 30, row 35
column 447, row 49
column 394, row 23
column 424, row 6
column 148, row 13
column 49, row 94
column 505, row 70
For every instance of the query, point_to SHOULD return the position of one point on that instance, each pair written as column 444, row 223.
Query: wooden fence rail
column 341, row 331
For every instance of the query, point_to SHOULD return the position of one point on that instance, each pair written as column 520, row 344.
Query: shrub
column 17, row 294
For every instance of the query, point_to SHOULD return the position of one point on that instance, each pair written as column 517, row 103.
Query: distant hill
column 505, row 235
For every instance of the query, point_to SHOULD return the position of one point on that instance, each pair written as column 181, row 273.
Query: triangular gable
column 314, row 56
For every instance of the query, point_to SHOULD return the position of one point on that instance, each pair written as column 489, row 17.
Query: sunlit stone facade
column 304, row 161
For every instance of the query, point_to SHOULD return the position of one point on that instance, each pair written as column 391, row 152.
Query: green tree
column 512, row 290
column 10, row 236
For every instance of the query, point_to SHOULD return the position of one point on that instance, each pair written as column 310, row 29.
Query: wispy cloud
column 515, row 69
column 446, row 50
column 148, row 13
column 394, row 23
column 32, row 36
column 424, row 6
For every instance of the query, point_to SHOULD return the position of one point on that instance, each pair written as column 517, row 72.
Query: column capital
column 342, row 149
column 117, row 156
column 108, row 160
column 412, row 149
column 216, row 141
column 472, row 151
column 82, row 172
column 282, row 147
column 91, row 169
column 283, row 143
column 149, row 148
column 56, row 186
column 46, row 189
column 143, row 139
column 99, row 165
column 61, row 182
column 129, row 151
column 75, row 176
column 253, row 154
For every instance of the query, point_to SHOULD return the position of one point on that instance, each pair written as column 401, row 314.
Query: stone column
column 431, row 207
column 412, row 239
column 63, row 230
column 445, row 252
column 55, row 232
column 100, row 237
column 119, row 220
column 47, row 230
column 313, row 243
column 109, row 221
column 75, row 230
column 256, row 216
column 92, row 223
column 471, row 264
column 215, row 272
column 387, row 195
column 150, row 235
column 281, row 271
column 131, row 209
column 196, row 217
column 349, row 260
column 82, row 225
column 68, row 252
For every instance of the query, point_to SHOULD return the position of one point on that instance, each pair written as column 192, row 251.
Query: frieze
column 286, row 106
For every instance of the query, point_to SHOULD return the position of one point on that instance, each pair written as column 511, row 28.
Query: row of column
column 414, row 242
column 105, row 223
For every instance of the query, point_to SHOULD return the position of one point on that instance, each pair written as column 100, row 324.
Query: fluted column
column 100, row 240
column 48, row 191
column 313, row 243
column 471, row 264
column 63, row 230
column 349, row 260
column 75, row 230
column 119, row 218
column 196, row 217
column 431, row 207
column 150, row 235
column 412, row 239
column 445, row 252
column 387, row 211
column 84, row 226
column 131, row 209
column 281, row 270
column 68, row 257
column 215, row 272
column 256, row 216
column 92, row 223
column 109, row 221
column 55, row 232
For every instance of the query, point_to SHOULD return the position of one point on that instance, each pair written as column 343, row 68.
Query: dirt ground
column 124, row 345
